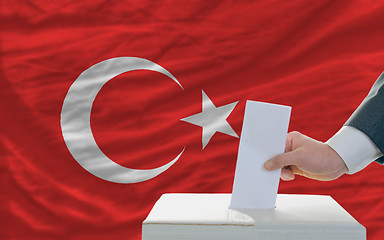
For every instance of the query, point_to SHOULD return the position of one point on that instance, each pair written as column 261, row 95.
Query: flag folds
column 320, row 58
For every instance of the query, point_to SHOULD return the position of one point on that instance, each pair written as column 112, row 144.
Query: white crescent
column 76, row 115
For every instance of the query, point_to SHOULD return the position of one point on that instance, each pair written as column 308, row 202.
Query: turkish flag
column 320, row 58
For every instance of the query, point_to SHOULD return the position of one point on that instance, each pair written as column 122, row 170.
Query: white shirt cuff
column 354, row 147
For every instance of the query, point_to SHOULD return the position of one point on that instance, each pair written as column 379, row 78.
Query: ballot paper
column 263, row 136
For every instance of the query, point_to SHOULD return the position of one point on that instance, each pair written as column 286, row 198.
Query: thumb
column 282, row 160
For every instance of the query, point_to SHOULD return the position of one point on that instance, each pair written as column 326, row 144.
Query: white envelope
column 263, row 136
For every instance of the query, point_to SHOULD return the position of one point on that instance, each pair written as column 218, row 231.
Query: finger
column 282, row 160
column 287, row 174
column 297, row 171
column 289, row 141
column 320, row 177
column 291, row 138
column 288, row 144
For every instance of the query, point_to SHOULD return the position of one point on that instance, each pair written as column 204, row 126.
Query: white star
column 212, row 119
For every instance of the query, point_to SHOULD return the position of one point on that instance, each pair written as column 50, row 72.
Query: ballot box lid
column 214, row 209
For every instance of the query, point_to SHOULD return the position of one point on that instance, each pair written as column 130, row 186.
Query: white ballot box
column 208, row 217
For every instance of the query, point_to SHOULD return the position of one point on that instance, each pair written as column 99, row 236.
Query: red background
column 319, row 57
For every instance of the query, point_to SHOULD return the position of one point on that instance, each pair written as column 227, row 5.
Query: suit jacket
column 369, row 116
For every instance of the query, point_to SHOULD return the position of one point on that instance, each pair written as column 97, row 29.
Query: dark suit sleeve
column 369, row 116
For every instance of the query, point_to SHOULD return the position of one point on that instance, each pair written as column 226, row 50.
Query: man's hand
column 307, row 157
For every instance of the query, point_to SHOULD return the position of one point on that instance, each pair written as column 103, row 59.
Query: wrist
column 340, row 167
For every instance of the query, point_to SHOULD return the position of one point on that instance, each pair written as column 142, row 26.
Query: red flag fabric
column 320, row 58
